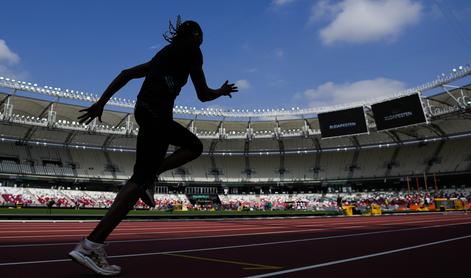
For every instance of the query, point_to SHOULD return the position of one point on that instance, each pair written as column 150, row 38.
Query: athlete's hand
column 227, row 89
column 96, row 110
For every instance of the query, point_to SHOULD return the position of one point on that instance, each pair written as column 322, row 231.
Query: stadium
column 273, row 138
column 407, row 153
column 286, row 153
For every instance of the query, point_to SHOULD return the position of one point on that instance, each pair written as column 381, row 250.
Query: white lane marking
column 146, row 233
column 276, row 273
column 290, row 223
column 36, row 262
column 174, row 229
column 203, row 237
column 388, row 222
column 243, row 245
column 227, row 225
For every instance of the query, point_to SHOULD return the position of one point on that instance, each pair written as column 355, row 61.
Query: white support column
column 277, row 131
column 129, row 124
column 7, row 110
column 249, row 135
column 305, row 129
column 428, row 111
column 92, row 126
column 221, row 131
column 193, row 129
column 452, row 96
column 51, row 116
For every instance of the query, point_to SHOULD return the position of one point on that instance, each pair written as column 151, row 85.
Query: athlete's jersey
column 168, row 73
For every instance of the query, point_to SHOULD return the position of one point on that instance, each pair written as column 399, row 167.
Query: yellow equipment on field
column 348, row 210
column 375, row 209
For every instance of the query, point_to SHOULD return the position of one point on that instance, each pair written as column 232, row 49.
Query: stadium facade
column 41, row 142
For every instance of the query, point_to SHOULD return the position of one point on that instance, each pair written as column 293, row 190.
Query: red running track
column 431, row 245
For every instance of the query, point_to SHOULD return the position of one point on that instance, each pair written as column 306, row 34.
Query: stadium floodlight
column 442, row 79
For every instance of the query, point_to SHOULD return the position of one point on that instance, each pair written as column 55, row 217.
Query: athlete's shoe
column 147, row 196
column 93, row 256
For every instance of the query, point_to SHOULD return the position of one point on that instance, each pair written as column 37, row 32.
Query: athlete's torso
column 168, row 73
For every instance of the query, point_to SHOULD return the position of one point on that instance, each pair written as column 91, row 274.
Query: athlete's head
column 186, row 32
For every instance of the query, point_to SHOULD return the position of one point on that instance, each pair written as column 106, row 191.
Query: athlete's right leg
column 123, row 203
column 90, row 251
column 149, row 154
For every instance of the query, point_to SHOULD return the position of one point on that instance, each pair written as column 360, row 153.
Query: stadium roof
column 27, row 118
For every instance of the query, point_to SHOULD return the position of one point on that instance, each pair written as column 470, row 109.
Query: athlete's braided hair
column 172, row 30
column 180, row 29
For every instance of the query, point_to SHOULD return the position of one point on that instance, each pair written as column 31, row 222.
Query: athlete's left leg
column 190, row 148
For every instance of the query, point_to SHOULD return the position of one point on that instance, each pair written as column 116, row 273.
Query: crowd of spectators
column 392, row 201
column 66, row 198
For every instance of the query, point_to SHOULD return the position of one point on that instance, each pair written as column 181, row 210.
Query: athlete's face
column 197, row 37
column 191, row 33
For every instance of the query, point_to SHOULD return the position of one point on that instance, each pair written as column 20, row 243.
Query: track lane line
column 248, row 266
column 175, row 230
column 243, row 245
column 198, row 237
column 281, row 272
column 306, row 223
column 144, row 233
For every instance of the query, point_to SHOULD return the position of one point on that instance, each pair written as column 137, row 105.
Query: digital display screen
column 343, row 122
column 399, row 112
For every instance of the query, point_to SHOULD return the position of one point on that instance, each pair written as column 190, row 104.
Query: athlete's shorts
column 156, row 133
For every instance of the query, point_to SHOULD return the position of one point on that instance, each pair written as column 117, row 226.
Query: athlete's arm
column 122, row 79
column 204, row 92
column 96, row 110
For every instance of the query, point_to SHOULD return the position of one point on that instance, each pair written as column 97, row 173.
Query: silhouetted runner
column 165, row 74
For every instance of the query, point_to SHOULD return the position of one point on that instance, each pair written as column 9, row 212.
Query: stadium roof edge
column 59, row 93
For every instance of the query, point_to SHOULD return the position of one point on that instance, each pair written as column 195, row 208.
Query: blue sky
column 282, row 53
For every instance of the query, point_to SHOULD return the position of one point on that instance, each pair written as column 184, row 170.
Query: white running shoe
column 93, row 258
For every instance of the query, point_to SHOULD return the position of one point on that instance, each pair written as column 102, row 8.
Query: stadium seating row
column 437, row 157
column 94, row 199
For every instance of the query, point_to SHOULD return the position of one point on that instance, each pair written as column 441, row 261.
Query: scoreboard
column 398, row 112
column 343, row 122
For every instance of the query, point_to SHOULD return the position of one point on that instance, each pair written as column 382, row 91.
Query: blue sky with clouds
column 281, row 53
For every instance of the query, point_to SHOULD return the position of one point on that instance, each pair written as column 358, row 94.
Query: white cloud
column 360, row 21
column 13, row 73
column 323, row 9
column 243, row 84
column 279, row 53
column 330, row 93
column 6, row 55
column 9, row 61
column 279, row 3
